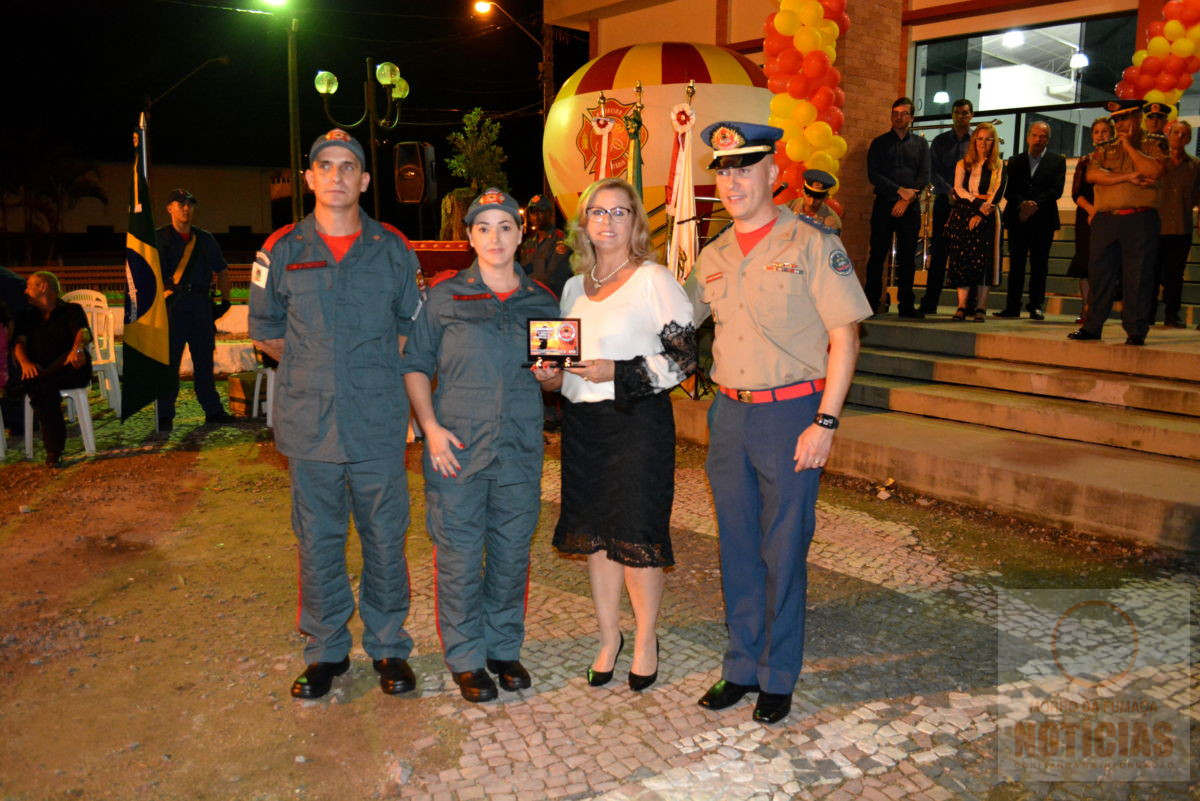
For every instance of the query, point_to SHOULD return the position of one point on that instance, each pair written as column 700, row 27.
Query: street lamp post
column 545, row 68
column 387, row 75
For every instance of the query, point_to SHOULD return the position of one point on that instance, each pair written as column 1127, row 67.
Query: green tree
column 478, row 157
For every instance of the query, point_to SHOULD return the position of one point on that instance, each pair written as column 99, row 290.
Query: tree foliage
column 478, row 158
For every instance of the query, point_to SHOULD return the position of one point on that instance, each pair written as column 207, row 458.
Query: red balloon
column 1144, row 84
column 790, row 61
column 778, row 84
column 1185, row 80
column 833, row 8
column 1173, row 64
column 793, row 175
column 839, row 97
column 771, row 68
column 786, row 196
column 1125, row 90
column 1165, row 82
column 1154, row 29
column 797, row 86
column 834, row 116
column 843, row 23
column 1191, row 63
column 822, row 98
column 1191, row 12
column 816, row 64
column 835, row 204
column 1172, row 9
column 833, row 77
column 781, row 156
column 1151, row 65
column 775, row 43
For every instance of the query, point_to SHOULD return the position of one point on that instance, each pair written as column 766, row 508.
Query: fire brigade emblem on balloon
column 591, row 138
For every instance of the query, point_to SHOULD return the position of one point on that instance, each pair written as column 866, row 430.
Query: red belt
column 790, row 392
column 1135, row 210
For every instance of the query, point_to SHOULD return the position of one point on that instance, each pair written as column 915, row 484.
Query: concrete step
column 1103, row 491
column 1136, row 430
column 1170, row 353
column 1172, row 397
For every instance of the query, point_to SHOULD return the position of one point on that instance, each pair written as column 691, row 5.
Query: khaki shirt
column 774, row 308
column 1113, row 158
column 1177, row 194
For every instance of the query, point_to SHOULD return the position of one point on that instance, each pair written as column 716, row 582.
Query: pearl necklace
column 599, row 282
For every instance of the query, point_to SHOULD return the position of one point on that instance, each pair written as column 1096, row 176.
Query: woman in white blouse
column 618, row 441
column 973, row 229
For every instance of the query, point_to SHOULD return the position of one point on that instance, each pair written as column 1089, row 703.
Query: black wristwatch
column 826, row 421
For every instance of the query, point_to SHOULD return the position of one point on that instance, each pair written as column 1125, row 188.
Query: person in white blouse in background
column 618, row 442
column 973, row 230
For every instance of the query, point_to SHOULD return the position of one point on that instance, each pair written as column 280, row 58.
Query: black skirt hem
column 630, row 554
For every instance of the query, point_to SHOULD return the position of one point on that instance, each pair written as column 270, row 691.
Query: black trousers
column 47, row 403
column 1123, row 251
column 1168, row 273
column 935, row 278
column 1030, row 242
column 191, row 323
column 906, row 228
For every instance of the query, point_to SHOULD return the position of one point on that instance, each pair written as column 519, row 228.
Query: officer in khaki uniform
column 332, row 298
column 786, row 303
column 1125, row 231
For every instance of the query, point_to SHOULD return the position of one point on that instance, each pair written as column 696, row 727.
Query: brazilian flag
column 147, row 348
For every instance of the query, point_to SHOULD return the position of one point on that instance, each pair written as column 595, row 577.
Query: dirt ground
column 148, row 640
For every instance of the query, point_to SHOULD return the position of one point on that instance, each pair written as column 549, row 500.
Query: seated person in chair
column 51, row 348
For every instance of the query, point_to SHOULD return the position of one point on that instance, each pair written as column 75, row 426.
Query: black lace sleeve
column 643, row 376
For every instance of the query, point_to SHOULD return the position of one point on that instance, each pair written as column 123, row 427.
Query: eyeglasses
column 985, row 139
column 617, row 213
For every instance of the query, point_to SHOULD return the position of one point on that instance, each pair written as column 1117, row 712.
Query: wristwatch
column 826, row 421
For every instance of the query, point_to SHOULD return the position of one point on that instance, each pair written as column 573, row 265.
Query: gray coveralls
column 341, row 416
column 477, row 347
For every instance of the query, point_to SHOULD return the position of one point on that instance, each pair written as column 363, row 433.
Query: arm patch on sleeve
column 840, row 262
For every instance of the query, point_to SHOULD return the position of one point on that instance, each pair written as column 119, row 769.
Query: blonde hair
column 972, row 157
column 583, row 254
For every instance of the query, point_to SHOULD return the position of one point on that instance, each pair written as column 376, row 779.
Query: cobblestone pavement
column 920, row 665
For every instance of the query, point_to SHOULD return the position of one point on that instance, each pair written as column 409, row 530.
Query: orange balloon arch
column 1162, row 71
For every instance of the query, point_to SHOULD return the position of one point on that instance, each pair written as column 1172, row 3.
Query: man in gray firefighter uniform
column 333, row 298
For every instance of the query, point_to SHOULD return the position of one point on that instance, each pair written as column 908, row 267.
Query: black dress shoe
column 53, row 459
column 476, row 685
column 220, row 418
column 725, row 693
column 165, row 425
column 512, row 674
column 598, row 678
column 317, row 678
column 1133, row 339
column 1082, row 336
column 911, row 314
column 638, row 682
column 1036, row 314
column 1174, row 322
column 772, row 707
column 1006, row 313
column 395, row 675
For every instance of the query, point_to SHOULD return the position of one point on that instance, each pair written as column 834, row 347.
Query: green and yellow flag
column 147, row 351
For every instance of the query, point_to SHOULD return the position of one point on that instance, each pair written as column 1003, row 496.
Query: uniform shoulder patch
column 275, row 237
column 840, row 262
column 394, row 230
column 549, row 291
column 444, row 275
column 820, row 226
column 559, row 234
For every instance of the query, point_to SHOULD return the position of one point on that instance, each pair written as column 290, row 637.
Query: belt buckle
column 745, row 395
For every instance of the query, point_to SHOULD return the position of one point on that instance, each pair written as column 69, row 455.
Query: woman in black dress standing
column 1083, row 192
column 973, row 230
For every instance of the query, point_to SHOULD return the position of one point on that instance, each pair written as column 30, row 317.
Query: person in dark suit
column 1035, row 183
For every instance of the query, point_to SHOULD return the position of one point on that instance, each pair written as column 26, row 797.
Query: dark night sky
column 79, row 71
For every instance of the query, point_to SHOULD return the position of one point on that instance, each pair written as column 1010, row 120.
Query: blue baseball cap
column 493, row 199
column 337, row 138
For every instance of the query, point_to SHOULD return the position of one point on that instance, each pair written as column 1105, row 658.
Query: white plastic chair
column 104, row 345
column 77, row 405
column 269, row 372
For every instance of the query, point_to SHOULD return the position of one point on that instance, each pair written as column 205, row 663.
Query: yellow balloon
column 829, row 31
column 782, row 105
column 798, row 149
column 1172, row 97
column 806, row 39
column 811, row 13
column 791, row 5
column 792, row 130
column 821, row 160
column 837, row 147
column 805, row 113
column 1193, row 33
column 786, row 22
column 1183, row 47
column 1140, row 55
column 1174, row 30
column 830, row 51
column 1156, row 96
column 1158, row 46
column 819, row 135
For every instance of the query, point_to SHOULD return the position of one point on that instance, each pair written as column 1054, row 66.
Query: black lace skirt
column 618, row 481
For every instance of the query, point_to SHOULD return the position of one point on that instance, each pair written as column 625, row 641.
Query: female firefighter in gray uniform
column 483, row 446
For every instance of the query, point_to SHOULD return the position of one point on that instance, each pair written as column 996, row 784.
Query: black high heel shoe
column 598, row 678
column 637, row 682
